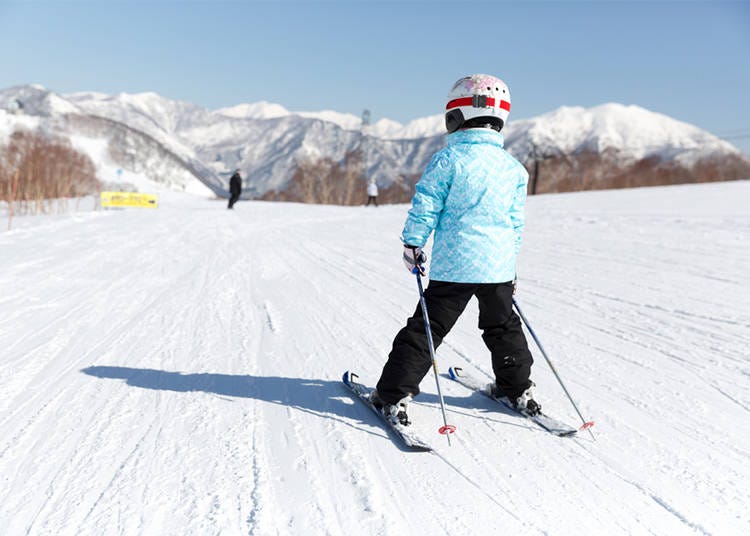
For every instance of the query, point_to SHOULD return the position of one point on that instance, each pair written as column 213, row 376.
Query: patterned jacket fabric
column 472, row 195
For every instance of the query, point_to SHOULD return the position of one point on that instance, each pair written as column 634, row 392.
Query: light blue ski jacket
column 472, row 195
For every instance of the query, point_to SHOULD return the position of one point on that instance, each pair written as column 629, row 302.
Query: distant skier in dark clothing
column 235, row 188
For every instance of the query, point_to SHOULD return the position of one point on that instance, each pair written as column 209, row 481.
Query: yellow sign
column 129, row 199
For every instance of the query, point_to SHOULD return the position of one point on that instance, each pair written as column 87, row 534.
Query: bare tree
column 49, row 172
column 325, row 181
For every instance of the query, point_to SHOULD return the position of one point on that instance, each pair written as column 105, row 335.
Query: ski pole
column 586, row 424
column 446, row 429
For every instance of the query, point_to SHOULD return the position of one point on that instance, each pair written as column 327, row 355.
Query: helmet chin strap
column 486, row 125
column 493, row 123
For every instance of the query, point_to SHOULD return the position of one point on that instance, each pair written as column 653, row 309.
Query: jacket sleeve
column 517, row 216
column 428, row 201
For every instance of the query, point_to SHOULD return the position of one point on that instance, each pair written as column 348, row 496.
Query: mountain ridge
column 269, row 143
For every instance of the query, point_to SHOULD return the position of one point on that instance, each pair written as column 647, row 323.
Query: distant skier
column 372, row 194
column 472, row 195
column 235, row 188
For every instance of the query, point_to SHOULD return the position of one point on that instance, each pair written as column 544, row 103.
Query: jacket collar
column 476, row 135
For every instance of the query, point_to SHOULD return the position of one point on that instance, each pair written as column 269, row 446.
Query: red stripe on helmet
column 468, row 101
column 455, row 103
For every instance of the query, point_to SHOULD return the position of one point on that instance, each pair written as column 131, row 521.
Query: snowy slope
column 177, row 371
column 9, row 123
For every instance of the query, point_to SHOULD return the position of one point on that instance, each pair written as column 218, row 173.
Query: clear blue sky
column 689, row 60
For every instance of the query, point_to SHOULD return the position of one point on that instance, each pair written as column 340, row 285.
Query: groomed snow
column 177, row 371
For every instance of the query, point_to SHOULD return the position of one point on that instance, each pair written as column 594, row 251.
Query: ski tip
column 349, row 378
column 454, row 372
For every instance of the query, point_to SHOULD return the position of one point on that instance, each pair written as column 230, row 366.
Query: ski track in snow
column 178, row 371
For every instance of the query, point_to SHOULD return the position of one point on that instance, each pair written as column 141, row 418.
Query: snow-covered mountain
column 178, row 372
column 580, row 148
column 631, row 131
column 127, row 136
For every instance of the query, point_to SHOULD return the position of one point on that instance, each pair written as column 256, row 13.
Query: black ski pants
column 409, row 360
column 234, row 196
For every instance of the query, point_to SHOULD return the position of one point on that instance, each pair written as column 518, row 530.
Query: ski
column 546, row 422
column 405, row 434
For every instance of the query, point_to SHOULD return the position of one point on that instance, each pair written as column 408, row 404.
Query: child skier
column 472, row 196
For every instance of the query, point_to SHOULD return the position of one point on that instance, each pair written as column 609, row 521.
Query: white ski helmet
column 477, row 96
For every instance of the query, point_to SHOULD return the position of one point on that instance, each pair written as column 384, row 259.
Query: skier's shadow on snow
column 323, row 398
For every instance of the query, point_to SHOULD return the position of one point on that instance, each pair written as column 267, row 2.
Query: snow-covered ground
column 177, row 371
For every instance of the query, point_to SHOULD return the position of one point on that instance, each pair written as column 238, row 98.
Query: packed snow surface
column 177, row 371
